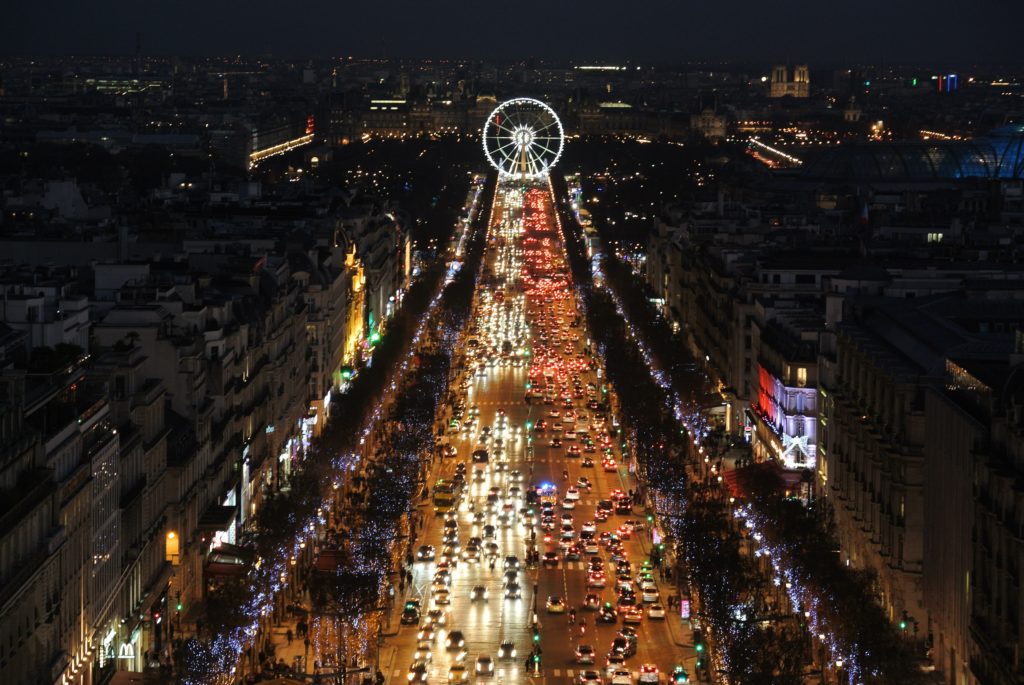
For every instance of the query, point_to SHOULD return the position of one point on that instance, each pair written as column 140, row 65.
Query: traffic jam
column 537, row 561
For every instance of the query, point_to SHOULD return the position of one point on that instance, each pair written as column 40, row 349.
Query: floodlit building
column 780, row 85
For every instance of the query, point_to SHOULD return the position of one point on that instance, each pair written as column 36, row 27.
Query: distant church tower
column 780, row 85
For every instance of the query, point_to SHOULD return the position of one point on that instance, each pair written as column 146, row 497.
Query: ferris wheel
column 523, row 137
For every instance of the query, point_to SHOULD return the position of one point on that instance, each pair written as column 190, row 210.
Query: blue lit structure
column 1000, row 154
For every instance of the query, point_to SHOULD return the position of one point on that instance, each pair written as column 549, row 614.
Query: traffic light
column 529, row 385
column 536, row 635
column 903, row 624
column 650, row 518
column 178, row 606
column 529, row 425
column 699, row 647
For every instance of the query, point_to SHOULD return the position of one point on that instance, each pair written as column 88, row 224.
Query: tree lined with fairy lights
column 292, row 515
column 838, row 601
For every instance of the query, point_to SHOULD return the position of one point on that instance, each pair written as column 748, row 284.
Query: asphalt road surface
column 491, row 389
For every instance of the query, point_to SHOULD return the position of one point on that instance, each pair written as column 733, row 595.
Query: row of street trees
column 399, row 391
column 740, row 596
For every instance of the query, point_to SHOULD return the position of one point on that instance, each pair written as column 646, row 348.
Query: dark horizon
column 652, row 32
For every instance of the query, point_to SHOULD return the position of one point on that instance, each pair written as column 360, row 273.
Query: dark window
column 805, row 279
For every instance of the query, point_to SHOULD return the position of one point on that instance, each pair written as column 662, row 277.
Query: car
column 590, row 547
column 572, row 553
column 649, row 595
column 679, row 676
column 455, row 640
column 419, row 672
column 471, row 553
column 568, row 504
column 484, row 665
column 572, row 492
column 607, row 614
column 649, row 674
column 507, row 650
column 423, row 651
column 425, row 553
column 591, row 601
column 442, row 597
column 511, row 562
column 438, row 617
column 614, row 662
column 426, row 632
column 479, row 592
column 589, row 678
column 551, row 559
column 655, row 611
column 457, row 673
column 597, row 580
column 633, row 616
column 587, row 463
column 411, row 613
column 623, row 646
column 555, row 605
column 585, row 654
column 610, row 466
column 621, row 676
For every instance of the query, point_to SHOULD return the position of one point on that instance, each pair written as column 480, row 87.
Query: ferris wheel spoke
column 510, row 160
column 544, row 129
column 542, row 162
column 536, row 162
column 549, row 151
column 508, row 143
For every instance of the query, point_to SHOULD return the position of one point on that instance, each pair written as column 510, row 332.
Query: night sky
column 822, row 32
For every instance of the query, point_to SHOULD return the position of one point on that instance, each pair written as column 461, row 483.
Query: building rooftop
column 1000, row 154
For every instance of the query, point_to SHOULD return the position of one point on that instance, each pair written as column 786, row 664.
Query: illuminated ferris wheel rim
column 523, row 137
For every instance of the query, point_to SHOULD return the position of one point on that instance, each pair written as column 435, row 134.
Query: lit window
column 801, row 377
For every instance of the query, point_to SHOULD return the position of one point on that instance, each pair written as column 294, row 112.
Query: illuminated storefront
column 784, row 420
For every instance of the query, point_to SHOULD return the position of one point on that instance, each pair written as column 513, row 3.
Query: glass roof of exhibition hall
column 1000, row 154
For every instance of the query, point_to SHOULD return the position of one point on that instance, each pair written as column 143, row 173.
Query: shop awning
column 216, row 517
column 225, row 569
column 765, row 475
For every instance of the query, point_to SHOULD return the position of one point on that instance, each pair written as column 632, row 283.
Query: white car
column 649, row 674
column 572, row 493
column 655, row 611
column 649, row 595
column 621, row 677
column 568, row 504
